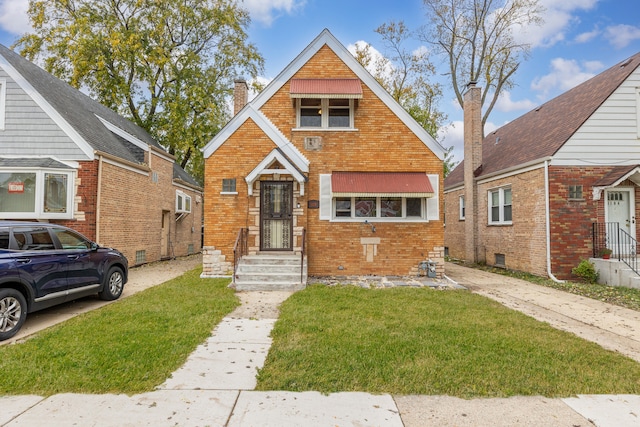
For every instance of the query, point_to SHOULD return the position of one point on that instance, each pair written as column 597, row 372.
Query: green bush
column 586, row 270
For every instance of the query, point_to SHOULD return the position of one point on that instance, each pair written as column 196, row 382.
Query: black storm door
column 276, row 216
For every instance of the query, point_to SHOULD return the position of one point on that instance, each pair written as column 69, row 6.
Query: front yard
column 421, row 341
column 345, row 338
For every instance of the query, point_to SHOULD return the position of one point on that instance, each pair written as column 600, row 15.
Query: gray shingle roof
column 80, row 111
column 543, row 131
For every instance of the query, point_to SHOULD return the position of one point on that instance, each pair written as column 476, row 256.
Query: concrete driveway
column 140, row 278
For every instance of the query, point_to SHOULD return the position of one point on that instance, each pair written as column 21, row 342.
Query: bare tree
column 477, row 38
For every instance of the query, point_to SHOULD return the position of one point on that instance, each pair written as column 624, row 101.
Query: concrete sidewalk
column 215, row 386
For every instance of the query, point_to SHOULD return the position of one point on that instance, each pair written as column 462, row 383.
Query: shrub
column 586, row 270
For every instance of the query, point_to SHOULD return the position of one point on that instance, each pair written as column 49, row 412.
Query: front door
column 276, row 216
column 620, row 205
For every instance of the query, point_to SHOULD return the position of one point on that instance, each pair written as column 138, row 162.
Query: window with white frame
column 378, row 207
column 461, row 207
column 499, row 205
column 326, row 113
column 183, row 202
column 229, row 186
column 34, row 194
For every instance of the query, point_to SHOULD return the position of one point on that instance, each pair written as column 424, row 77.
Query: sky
column 579, row 39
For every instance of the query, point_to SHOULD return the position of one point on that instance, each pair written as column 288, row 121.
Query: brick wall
column 571, row 228
column 381, row 143
column 454, row 231
column 132, row 209
column 523, row 243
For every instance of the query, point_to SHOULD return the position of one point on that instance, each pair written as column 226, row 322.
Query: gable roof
column 325, row 38
column 88, row 123
column 541, row 132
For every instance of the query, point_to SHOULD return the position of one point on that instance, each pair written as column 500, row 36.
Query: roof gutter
column 548, row 222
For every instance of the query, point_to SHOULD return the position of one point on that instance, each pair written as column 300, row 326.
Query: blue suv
column 42, row 265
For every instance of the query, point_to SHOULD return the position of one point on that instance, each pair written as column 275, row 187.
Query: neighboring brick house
column 529, row 196
column 326, row 153
column 67, row 159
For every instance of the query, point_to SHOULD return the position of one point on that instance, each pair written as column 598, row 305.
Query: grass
column 130, row 346
column 421, row 341
column 617, row 295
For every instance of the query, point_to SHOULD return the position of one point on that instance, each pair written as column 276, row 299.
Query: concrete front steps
column 271, row 271
column 615, row 273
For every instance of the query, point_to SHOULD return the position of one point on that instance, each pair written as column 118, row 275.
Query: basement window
column 500, row 261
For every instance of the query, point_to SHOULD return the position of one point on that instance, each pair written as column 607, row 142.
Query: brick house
column 530, row 195
column 67, row 159
column 323, row 161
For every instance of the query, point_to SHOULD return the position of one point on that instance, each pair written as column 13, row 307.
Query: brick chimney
column 240, row 95
column 472, row 161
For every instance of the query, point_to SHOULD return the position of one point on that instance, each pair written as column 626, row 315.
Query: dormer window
column 325, row 103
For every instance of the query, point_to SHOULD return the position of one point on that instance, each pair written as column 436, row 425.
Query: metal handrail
column 627, row 247
column 239, row 249
column 304, row 236
column 623, row 246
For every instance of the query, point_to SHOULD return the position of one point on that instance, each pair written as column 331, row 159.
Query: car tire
column 113, row 284
column 13, row 312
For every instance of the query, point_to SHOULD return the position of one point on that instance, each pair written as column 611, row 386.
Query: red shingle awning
column 326, row 88
column 383, row 184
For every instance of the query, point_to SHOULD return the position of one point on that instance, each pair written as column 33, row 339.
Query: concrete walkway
column 215, row 386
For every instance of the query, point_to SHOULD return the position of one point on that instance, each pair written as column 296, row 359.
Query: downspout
column 98, row 193
column 548, row 222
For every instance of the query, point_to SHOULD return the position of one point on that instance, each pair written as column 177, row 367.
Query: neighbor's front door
column 276, row 215
column 620, row 205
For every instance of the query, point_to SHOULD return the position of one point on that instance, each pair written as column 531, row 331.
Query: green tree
column 405, row 75
column 477, row 39
column 167, row 65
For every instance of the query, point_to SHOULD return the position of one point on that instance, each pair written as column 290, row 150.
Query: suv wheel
column 113, row 284
column 13, row 312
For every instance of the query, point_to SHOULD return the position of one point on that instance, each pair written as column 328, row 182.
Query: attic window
column 324, row 113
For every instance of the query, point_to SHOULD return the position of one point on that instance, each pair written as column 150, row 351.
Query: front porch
column 271, row 271
column 619, row 267
column 614, row 272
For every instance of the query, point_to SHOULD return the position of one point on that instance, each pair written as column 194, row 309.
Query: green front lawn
column 421, row 341
column 129, row 346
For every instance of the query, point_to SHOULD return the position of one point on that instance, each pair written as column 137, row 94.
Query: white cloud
column 565, row 74
column 587, row 36
column 558, row 18
column 621, row 35
column 506, row 104
column 267, row 11
column 13, row 16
